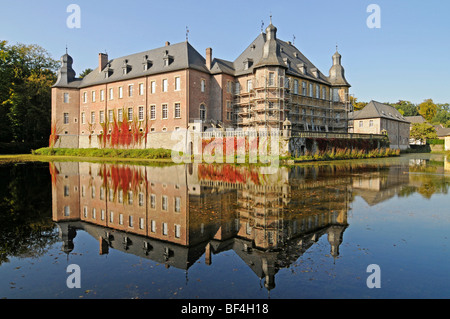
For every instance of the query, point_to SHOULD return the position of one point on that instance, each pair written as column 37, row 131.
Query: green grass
column 346, row 154
column 159, row 153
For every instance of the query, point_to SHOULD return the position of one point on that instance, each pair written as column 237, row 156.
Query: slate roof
column 376, row 109
column 185, row 56
column 416, row 119
column 442, row 131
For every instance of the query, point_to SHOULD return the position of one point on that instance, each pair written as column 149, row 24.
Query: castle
column 136, row 101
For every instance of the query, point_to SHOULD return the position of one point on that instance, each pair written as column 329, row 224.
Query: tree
column 423, row 131
column 85, row 72
column 357, row 105
column 406, row 108
column 27, row 73
column 427, row 109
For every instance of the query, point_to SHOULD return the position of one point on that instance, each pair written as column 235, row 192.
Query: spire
column 337, row 73
column 271, row 50
column 66, row 74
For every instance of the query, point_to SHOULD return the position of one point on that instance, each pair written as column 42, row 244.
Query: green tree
column 406, row 108
column 427, row 109
column 27, row 73
column 85, row 72
column 357, row 105
column 423, row 131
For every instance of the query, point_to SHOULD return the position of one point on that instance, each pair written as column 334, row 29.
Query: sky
column 406, row 58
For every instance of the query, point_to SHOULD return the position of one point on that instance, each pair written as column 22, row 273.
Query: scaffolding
column 270, row 101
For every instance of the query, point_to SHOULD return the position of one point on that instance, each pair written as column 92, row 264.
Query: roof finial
column 66, row 49
column 271, row 18
column 336, row 47
column 262, row 26
column 187, row 33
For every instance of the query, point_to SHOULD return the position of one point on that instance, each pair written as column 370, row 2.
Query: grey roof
column 376, row 109
column 442, row 131
column 182, row 56
column 416, row 119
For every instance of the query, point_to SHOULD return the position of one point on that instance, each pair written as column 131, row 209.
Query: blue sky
column 407, row 58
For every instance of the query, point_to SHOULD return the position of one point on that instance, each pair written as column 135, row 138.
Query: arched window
column 202, row 112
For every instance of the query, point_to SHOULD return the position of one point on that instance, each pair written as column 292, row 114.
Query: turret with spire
column 66, row 74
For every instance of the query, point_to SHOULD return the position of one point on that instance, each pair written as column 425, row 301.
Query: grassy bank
column 346, row 154
column 108, row 153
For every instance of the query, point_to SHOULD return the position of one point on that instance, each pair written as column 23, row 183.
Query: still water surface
column 224, row 231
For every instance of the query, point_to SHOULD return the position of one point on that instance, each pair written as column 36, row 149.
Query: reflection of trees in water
column 26, row 228
column 427, row 179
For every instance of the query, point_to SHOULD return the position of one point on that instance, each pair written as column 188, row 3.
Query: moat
column 226, row 231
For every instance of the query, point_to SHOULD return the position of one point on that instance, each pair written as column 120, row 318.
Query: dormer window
column 302, row 68
column 168, row 59
column 248, row 63
column 126, row 68
column 108, row 71
column 315, row 72
column 147, row 64
column 287, row 62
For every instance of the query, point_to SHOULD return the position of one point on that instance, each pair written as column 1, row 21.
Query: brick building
column 137, row 100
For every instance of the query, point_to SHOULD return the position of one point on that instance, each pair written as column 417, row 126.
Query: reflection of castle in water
column 176, row 214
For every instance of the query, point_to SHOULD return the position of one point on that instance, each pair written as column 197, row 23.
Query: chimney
column 208, row 58
column 167, row 43
column 102, row 61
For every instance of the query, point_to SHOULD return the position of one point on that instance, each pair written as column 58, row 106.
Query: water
column 224, row 231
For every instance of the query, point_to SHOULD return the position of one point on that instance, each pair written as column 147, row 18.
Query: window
column 102, row 116
column 237, row 88
column 111, row 116
column 102, row 193
column 203, row 85
column 130, row 90
column 120, row 92
column 66, row 118
column 165, row 203
column 141, row 223
column 141, row 113
column 121, row 196
column 85, row 211
column 164, row 111
column 130, row 221
column 177, row 231
column 120, row 219
column 102, row 214
column 141, row 88
column 94, row 213
column 335, row 95
column 141, row 199
column 249, row 85
column 102, row 95
column 324, row 93
column 153, row 112
column 271, row 79
column 120, row 115
column 177, row 84
column 93, row 96
column 130, row 198
column 84, row 97
column 66, row 191
column 361, row 123
column 177, row 110
column 303, row 88
column 164, row 229
column 66, row 97
column 229, row 87
column 153, row 201
column 317, row 91
column 295, row 86
column 92, row 117
column 130, row 114
column 164, row 85
column 311, row 88
column 111, row 195
column 111, row 94
column 177, row 204
column 371, row 123
column 202, row 112
column 153, row 226
column 111, row 217
column 153, row 87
